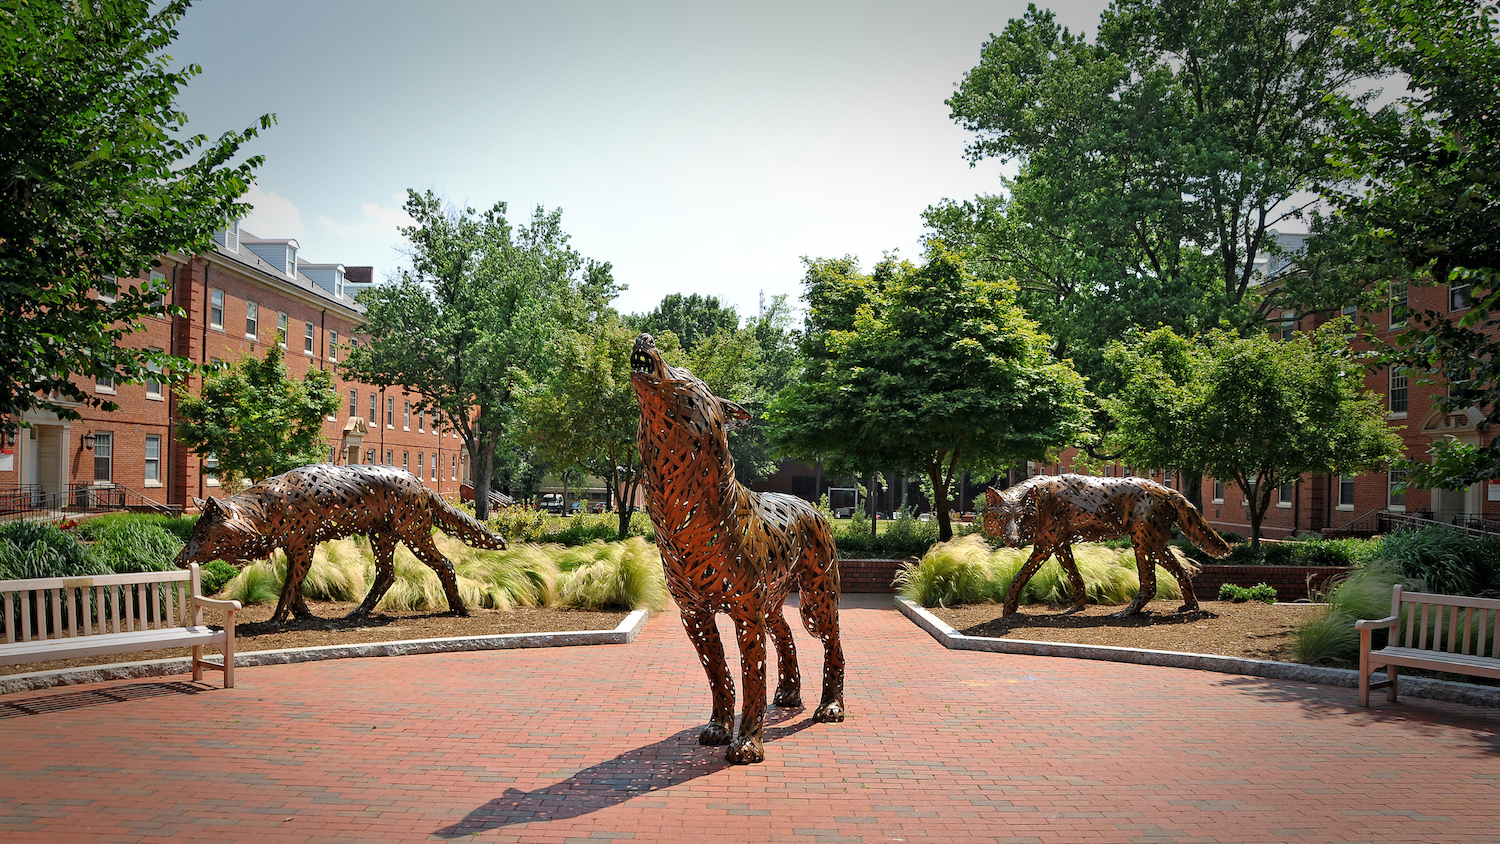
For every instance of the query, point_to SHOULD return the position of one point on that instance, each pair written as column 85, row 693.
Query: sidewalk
column 599, row 744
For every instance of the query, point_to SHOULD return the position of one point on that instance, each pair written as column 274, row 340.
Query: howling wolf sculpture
column 299, row 509
column 727, row 549
column 1051, row 512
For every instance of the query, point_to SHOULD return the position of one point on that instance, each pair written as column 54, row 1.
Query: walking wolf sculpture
column 299, row 509
column 728, row 549
column 1050, row 513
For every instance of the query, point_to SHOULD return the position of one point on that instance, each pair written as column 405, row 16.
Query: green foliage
column 516, row 524
column 692, row 319
column 1329, row 638
column 1419, row 186
column 256, row 419
column 214, row 575
column 904, row 538
column 258, row 582
column 923, row 367
column 1445, row 560
column 967, row 571
column 135, row 546
column 583, row 528
column 1257, row 411
column 621, row 575
column 1312, row 552
column 1240, row 594
column 40, row 549
column 181, row 527
column 474, row 312
column 99, row 177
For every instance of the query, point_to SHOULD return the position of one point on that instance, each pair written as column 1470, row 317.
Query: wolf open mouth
column 644, row 357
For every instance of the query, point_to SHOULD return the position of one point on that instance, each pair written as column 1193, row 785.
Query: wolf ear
column 991, row 496
column 197, row 502
column 735, row 417
column 211, row 507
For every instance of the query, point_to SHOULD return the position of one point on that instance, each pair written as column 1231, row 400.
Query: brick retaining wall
column 1290, row 582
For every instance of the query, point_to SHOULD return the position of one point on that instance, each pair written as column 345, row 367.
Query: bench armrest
column 1375, row 624
column 215, row 603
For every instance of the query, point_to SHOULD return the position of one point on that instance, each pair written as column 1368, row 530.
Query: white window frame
column 374, row 410
column 210, row 470
column 1400, row 299
column 1218, row 491
column 1397, row 379
column 1393, row 477
column 419, row 465
column 105, row 295
column 353, row 403
column 390, row 412
column 434, row 467
column 152, row 464
column 216, row 309
column 104, row 456
column 390, row 457
column 1285, row 494
column 161, row 297
column 333, row 345
column 1458, row 297
column 1346, row 480
column 105, row 384
column 281, row 328
column 154, row 380
column 252, row 319
column 309, row 339
column 406, row 416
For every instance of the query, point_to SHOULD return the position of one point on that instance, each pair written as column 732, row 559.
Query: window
column 373, row 413
column 1399, row 294
column 370, row 456
column 419, row 465
column 153, row 459
column 153, row 379
column 421, row 418
column 406, row 417
column 1218, row 491
column 1287, row 327
column 1397, row 392
column 1166, row 477
column 333, row 343
column 291, row 260
column 252, row 319
column 104, row 450
column 1458, row 297
column 338, row 282
column 405, row 461
column 104, row 384
column 211, row 470
column 1350, row 311
column 1284, row 494
column 281, row 328
column 216, row 309
column 390, row 411
column 159, row 284
column 1346, row 492
column 1395, row 498
column 307, row 339
column 434, row 467
column 455, row 467
column 108, row 286
column 354, row 402
column 390, row 458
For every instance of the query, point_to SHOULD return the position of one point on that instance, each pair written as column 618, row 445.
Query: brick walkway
column 598, row 744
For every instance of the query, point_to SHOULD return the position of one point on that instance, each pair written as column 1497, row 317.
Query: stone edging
column 1422, row 687
column 625, row 633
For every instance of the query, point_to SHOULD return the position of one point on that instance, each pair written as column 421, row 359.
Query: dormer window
column 338, row 282
column 291, row 260
column 229, row 236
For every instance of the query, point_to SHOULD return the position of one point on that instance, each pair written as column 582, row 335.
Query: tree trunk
column 1257, row 513
column 1192, row 487
column 481, row 461
column 940, row 503
column 870, row 503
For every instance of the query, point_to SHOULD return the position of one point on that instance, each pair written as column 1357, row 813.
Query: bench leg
column 1364, row 668
column 1391, row 672
column 228, row 650
column 197, row 663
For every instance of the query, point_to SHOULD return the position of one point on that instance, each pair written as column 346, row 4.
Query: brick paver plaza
column 598, row 743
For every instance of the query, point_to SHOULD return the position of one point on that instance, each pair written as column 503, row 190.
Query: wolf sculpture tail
column 462, row 525
column 1197, row 530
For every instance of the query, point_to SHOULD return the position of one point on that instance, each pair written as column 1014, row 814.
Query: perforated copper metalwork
column 299, row 509
column 1052, row 512
column 727, row 549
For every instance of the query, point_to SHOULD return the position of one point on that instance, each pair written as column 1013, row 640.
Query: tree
column 1422, row 192
column 98, row 180
column 1257, row 411
column 924, row 367
column 692, row 319
column 257, row 420
column 472, row 313
column 1155, row 160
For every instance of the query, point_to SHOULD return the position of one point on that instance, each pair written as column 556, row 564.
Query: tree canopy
column 691, row 319
column 256, row 419
column 98, row 178
column 1422, row 195
column 925, row 367
column 472, row 312
column 1257, row 411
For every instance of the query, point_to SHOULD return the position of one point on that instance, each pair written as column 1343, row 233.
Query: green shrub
column 1329, row 638
column 1445, row 560
column 967, row 571
column 40, row 549
column 1240, row 594
column 134, row 545
column 583, row 528
column 93, row 529
column 214, row 575
column 517, row 524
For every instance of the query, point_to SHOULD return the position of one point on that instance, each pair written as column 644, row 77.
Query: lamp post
column 88, row 441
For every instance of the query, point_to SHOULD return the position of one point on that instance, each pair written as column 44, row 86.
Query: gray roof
column 274, row 274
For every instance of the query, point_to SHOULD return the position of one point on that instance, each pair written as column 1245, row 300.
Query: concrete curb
column 1421, row 687
column 625, row 633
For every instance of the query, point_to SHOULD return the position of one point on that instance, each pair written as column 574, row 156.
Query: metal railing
column 1380, row 522
column 32, row 502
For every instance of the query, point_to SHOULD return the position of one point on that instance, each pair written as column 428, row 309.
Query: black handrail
column 31, row 502
column 1379, row 522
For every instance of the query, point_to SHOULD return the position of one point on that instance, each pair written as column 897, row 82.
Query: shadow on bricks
column 95, row 697
column 674, row 760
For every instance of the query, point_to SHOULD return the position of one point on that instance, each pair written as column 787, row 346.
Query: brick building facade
column 246, row 294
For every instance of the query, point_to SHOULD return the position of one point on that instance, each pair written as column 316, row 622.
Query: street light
column 88, row 441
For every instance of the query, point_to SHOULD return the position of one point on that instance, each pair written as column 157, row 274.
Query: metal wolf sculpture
column 299, row 509
column 727, row 549
column 1051, row 512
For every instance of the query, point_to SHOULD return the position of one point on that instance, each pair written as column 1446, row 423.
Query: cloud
column 374, row 222
column 274, row 216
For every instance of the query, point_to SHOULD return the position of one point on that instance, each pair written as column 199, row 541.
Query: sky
column 697, row 147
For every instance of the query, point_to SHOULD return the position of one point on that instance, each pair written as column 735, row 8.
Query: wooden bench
column 72, row 617
column 1437, row 632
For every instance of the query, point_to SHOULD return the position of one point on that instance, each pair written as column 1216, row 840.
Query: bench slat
column 10, row 621
column 1437, row 661
column 109, row 643
column 26, row 617
column 102, row 579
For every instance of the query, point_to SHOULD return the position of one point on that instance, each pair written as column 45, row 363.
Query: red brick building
column 246, row 294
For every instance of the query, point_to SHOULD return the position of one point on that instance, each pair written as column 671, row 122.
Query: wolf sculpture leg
column 750, row 630
column 298, row 561
column 1075, row 579
column 424, row 549
column 788, row 676
column 819, row 607
column 383, row 547
column 1145, row 565
column 704, row 635
column 1013, row 598
column 1184, row 581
